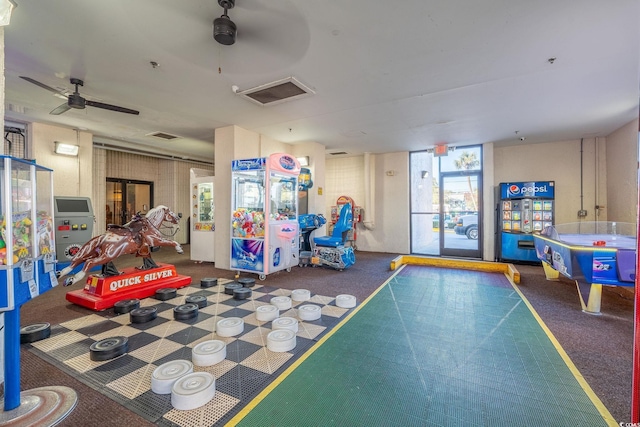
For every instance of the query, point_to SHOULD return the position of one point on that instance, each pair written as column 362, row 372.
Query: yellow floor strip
column 606, row 415
column 492, row 267
column 256, row 400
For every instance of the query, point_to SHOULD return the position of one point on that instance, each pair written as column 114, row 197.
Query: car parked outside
column 467, row 225
column 448, row 221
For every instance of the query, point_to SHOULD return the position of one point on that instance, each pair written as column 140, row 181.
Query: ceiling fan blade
column 61, row 109
column 111, row 107
column 44, row 86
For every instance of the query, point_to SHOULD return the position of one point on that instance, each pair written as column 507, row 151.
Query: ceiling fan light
column 224, row 30
column 76, row 101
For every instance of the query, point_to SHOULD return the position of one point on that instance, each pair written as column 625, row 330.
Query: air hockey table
column 593, row 253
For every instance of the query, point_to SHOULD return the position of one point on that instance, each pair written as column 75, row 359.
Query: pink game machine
column 264, row 206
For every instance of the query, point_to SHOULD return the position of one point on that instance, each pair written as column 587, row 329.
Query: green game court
column 433, row 347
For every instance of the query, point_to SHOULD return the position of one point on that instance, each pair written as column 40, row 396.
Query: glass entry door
column 125, row 198
column 461, row 198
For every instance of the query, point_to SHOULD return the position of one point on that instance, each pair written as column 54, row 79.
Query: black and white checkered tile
column 248, row 368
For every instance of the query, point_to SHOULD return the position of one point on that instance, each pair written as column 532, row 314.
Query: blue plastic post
column 12, row 359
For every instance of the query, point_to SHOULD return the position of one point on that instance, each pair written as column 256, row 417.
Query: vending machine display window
column 523, row 208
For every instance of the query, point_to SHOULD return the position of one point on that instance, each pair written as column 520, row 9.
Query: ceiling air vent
column 277, row 92
column 338, row 153
column 162, row 135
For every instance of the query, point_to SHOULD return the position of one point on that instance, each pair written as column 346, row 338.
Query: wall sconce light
column 304, row 161
column 425, row 174
column 6, row 8
column 66, row 149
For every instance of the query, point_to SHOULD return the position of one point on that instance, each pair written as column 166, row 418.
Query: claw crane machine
column 264, row 206
column 202, row 216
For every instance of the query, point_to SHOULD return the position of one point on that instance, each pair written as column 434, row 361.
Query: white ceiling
column 388, row 76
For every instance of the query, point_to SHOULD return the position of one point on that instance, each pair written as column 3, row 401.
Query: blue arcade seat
column 340, row 230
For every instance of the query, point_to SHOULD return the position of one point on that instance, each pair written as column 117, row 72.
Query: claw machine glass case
column 523, row 208
column 264, row 206
column 27, row 242
column 202, row 216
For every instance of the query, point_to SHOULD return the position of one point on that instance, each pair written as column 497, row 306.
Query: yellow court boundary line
column 463, row 264
column 265, row 392
column 604, row 412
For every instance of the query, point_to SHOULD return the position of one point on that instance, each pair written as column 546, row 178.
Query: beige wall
column 71, row 175
column 390, row 231
column 559, row 162
column 621, row 165
column 609, row 178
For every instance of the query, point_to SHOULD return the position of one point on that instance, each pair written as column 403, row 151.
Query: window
column 15, row 140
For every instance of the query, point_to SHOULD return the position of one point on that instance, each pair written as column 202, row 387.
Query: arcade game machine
column 308, row 222
column 304, row 185
column 356, row 214
column 27, row 270
column 523, row 208
column 74, row 220
column 264, row 206
column 202, row 216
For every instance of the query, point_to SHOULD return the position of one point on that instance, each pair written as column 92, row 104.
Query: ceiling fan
column 74, row 100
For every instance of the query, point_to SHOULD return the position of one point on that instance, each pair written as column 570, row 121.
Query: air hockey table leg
column 593, row 294
column 550, row 272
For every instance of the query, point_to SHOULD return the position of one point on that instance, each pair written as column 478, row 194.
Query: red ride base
column 101, row 293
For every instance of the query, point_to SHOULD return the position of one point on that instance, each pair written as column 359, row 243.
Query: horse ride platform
column 102, row 292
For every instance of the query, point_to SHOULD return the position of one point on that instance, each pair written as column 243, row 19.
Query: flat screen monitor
column 73, row 205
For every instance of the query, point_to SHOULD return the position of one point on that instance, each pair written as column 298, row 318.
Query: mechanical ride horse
column 140, row 236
